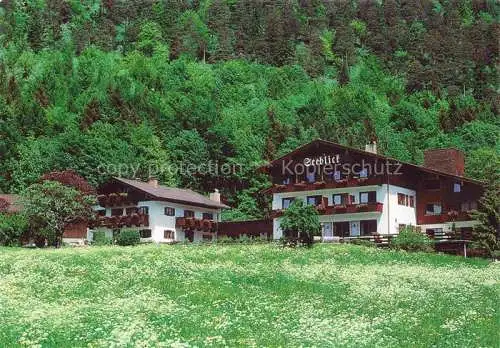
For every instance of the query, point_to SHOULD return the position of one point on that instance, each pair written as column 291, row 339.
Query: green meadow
column 246, row 295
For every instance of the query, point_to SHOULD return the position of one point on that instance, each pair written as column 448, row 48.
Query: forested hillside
column 148, row 83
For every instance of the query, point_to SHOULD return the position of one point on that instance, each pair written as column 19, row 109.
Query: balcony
column 120, row 221
column 342, row 209
column 320, row 184
column 196, row 224
column 450, row 216
column 114, row 199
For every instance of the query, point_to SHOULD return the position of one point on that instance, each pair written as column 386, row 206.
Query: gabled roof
column 173, row 194
column 370, row 154
column 13, row 201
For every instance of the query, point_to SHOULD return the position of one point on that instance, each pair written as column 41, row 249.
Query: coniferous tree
column 487, row 232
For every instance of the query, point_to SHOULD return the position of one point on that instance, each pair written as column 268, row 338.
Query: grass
column 248, row 295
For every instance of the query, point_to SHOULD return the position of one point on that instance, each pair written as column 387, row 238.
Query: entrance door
column 327, row 230
column 341, row 229
column 354, row 228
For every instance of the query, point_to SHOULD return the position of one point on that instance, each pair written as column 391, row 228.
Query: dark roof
column 173, row 194
column 13, row 201
column 417, row 167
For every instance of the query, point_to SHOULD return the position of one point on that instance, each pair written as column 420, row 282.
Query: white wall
column 159, row 222
column 399, row 214
column 387, row 222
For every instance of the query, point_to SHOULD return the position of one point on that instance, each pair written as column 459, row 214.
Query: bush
column 12, row 227
column 300, row 223
column 411, row 240
column 363, row 242
column 244, row 239
column 225, row 240
column 128, row 237
column 100, row 238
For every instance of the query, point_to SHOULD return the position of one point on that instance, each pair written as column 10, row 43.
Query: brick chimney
column 153, row 182
column 215, row 196
column 451, row 161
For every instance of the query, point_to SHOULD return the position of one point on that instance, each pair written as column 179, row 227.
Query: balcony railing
column 449, row 216
column 196, row 224
column 114, row 199
column 320, row 184
column 137, row 220
column 342, row 209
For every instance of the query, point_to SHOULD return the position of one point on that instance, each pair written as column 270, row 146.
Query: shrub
column 300, row 223
column 244, row 239
column 411, row 240
column 363, row 242
column 225, row 240
column 100, row 238
column 128, row 237
column 12, row 227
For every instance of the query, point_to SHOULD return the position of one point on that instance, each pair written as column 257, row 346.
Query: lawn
column 248, row 295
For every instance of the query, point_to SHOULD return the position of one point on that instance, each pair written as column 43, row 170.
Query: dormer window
column 337, row 175
column 311, row 176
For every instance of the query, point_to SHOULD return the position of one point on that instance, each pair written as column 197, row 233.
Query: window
column 341, row 229
column 314, row 200
column 169, row 211
column 208, row 216
column 188, row 213
column 286, row 202
column 117, row 212
column 468, row 206
column 101, row 212
column 402, row 199
column 143, row 210
column 168, row 234
column 363, row 197
column 130, row 211
column 432, row 185
column 338, row 199
column 352, row 199
column 363, row 173
column 457, row 187
column 337, row 175
column 368, row 197
column 433, row 209
column 406, row 200
column 311, row 174
column 146, row 233
column 368, row 227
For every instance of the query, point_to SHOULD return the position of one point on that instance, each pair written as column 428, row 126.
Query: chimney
column 451, row 161
column 153, row 182
column 372, row 147
column 215, row 196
